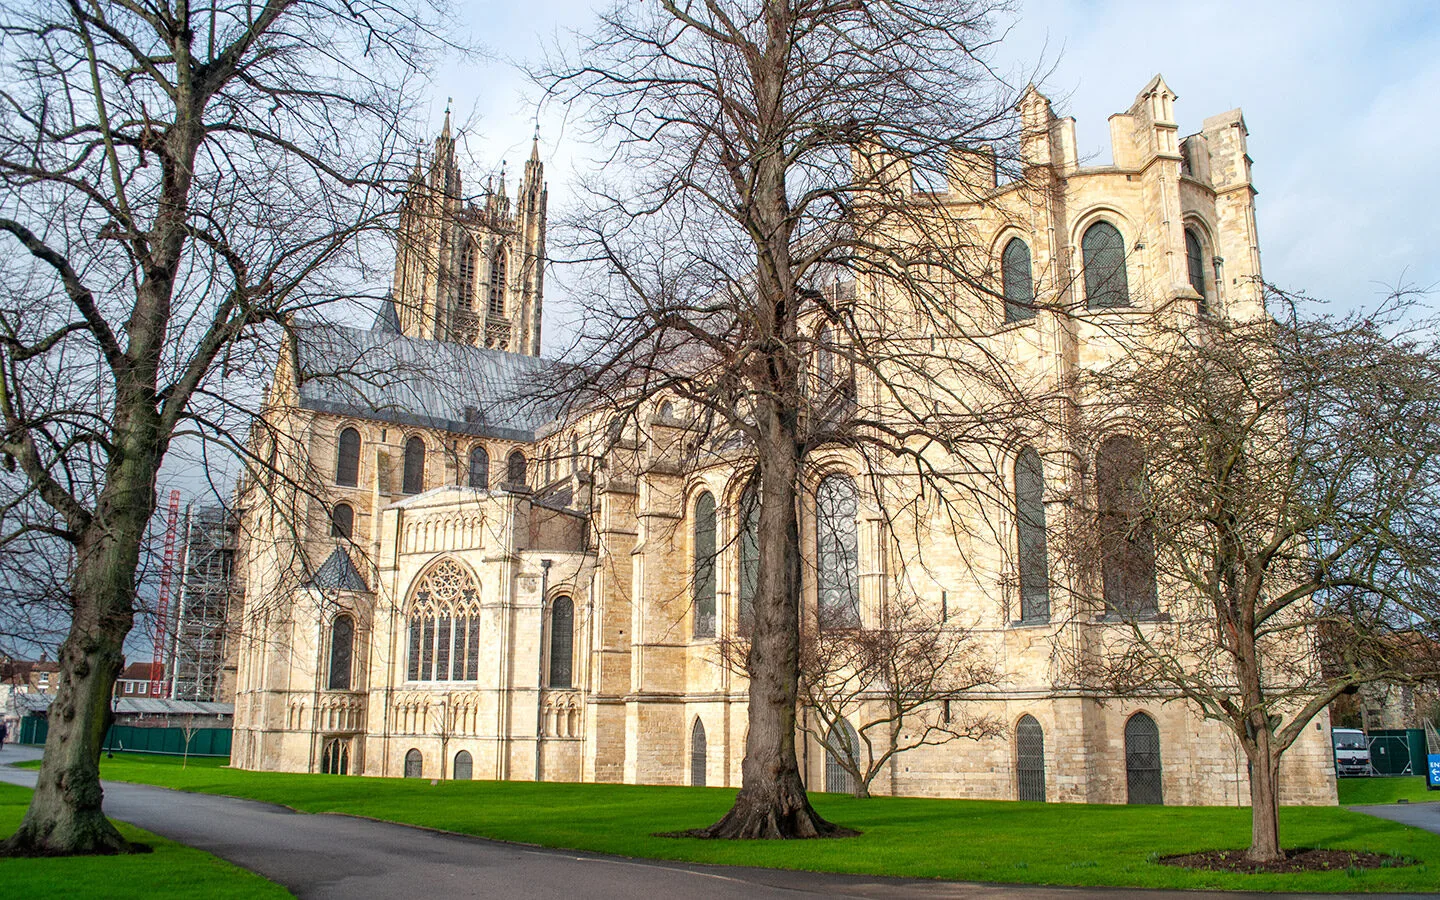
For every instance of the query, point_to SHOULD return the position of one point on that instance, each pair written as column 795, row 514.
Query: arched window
column 347, row 459
column 464, row 768
column 444, row 620
column 1127, row 541
column 468, row 264
column 1030, row 759
column 1019, row 284
column 1142, row 761
column 335, row 759
column 749, row 558
column 837, row 537
column 479, row 467
column 697, row 754
column 414, row 764
column 515, row 474
column 824, row 358
column 497, row 283
column 842, row 741
column 342, row 520
column 342, row 651
column 562, row 640
column 1106, row 284
column 1195, row 265
column 414, row 466
column 703, row 566
column 1030, row 537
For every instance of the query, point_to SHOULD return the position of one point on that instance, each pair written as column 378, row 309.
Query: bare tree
column 181, row 182
column 1261, row 534
column 764, row 252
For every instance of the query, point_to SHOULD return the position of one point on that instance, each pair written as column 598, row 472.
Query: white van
column 1352, row 751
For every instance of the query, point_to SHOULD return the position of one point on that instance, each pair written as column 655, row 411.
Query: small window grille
column 1030, row 759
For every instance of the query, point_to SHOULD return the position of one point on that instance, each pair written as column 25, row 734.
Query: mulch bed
column 1301, row 860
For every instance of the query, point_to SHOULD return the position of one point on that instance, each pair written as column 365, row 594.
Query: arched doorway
column 1030, row 760
column 843, row 739
column 697, row 754
column 1142, row 761
column 414, row 764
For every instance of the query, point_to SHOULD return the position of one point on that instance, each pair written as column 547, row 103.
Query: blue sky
column 1340, row 99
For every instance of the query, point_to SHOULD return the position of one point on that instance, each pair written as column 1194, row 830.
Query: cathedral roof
column 431, row 384
column 338, row 573
column 387, row 319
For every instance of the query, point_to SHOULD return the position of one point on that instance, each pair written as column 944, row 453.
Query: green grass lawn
column 953, row 839
column 1360, row 791
column 172, row 871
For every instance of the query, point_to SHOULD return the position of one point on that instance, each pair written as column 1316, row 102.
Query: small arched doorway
column 414, row 764
column 698, row 752
column 1142, row 761
column 1030, row 759
column 464, row 766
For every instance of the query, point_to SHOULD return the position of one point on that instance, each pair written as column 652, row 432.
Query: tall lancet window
column 468, row 265
column 837, row 506
column 497, row 282
column 1030, row 537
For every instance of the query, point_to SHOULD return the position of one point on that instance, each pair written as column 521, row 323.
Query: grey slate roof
column 375, row 374
column 146, row 705
column 338, row 573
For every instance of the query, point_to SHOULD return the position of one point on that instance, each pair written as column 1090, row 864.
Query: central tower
column 473, row 273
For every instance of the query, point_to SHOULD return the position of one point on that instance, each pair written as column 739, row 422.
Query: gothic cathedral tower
column 467, row 272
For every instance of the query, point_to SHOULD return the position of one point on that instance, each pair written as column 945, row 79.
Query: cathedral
column 470, row 585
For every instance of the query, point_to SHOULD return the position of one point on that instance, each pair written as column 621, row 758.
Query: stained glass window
column 342, row 650
column 704, row 566
column 562, row 639
column 1030, row 537
column 444, row 619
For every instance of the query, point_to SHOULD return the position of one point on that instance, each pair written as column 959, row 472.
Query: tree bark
column 1264, row 802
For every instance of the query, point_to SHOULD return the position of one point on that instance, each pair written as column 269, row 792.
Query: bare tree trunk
column 65, row 815
column 1264, row 800
column 772, row 802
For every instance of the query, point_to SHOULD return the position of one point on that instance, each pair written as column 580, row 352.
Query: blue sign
column 1432, row 778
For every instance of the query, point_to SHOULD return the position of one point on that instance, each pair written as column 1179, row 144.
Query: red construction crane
column 162, row 604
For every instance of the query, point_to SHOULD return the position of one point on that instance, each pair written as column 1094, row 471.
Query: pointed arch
column 444, row 624
column 562, row 642
column 335, row 758
column 703, row 552
column 749, row 562
column 498, row 281
column 469, row 268
column 698, row 753
column 837, row 556
column 1195, row 265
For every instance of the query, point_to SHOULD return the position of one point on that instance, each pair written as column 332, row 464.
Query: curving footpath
column 336, row 856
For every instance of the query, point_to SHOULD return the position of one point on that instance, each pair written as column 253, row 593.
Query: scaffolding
column 203, row 608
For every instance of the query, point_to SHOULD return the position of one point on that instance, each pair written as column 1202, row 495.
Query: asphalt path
column 1424, row 815
column 335, row 856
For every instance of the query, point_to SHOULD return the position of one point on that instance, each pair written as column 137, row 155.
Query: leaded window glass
column 841, row 744
column 704, row 566
column 347, row 459
column 342, row 651
column 342, row 521
column 479, row 467
column 1017, row 279
column 335, row 760
column 1106, row 284
column 562, row 639
column 837, row 506
column 464, row 769
column 1030, row 537
column 497, row 283
column 697, row 754
column 414, row 481
column 1142, row 761
column 749, row 559
column 468, row 265
column 515, row 469
column 1030, row 759
column 444, row 616
column 1126, row 538
column 1195, row 265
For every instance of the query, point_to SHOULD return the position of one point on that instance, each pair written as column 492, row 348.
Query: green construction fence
column 166, row 741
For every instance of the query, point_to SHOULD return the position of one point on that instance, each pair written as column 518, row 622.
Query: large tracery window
column 837, row 504
column 444, row 624
column 703, row 572
column 1015, row 274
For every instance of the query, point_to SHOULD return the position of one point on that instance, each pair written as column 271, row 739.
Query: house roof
column 143, row 671
column 376, row 374
column 135, row 705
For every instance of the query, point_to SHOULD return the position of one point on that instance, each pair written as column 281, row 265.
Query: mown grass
column 965, row 840
column 172, row 871
column 1362, row 791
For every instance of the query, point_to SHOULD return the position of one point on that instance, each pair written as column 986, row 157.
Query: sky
column 1340, row 100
